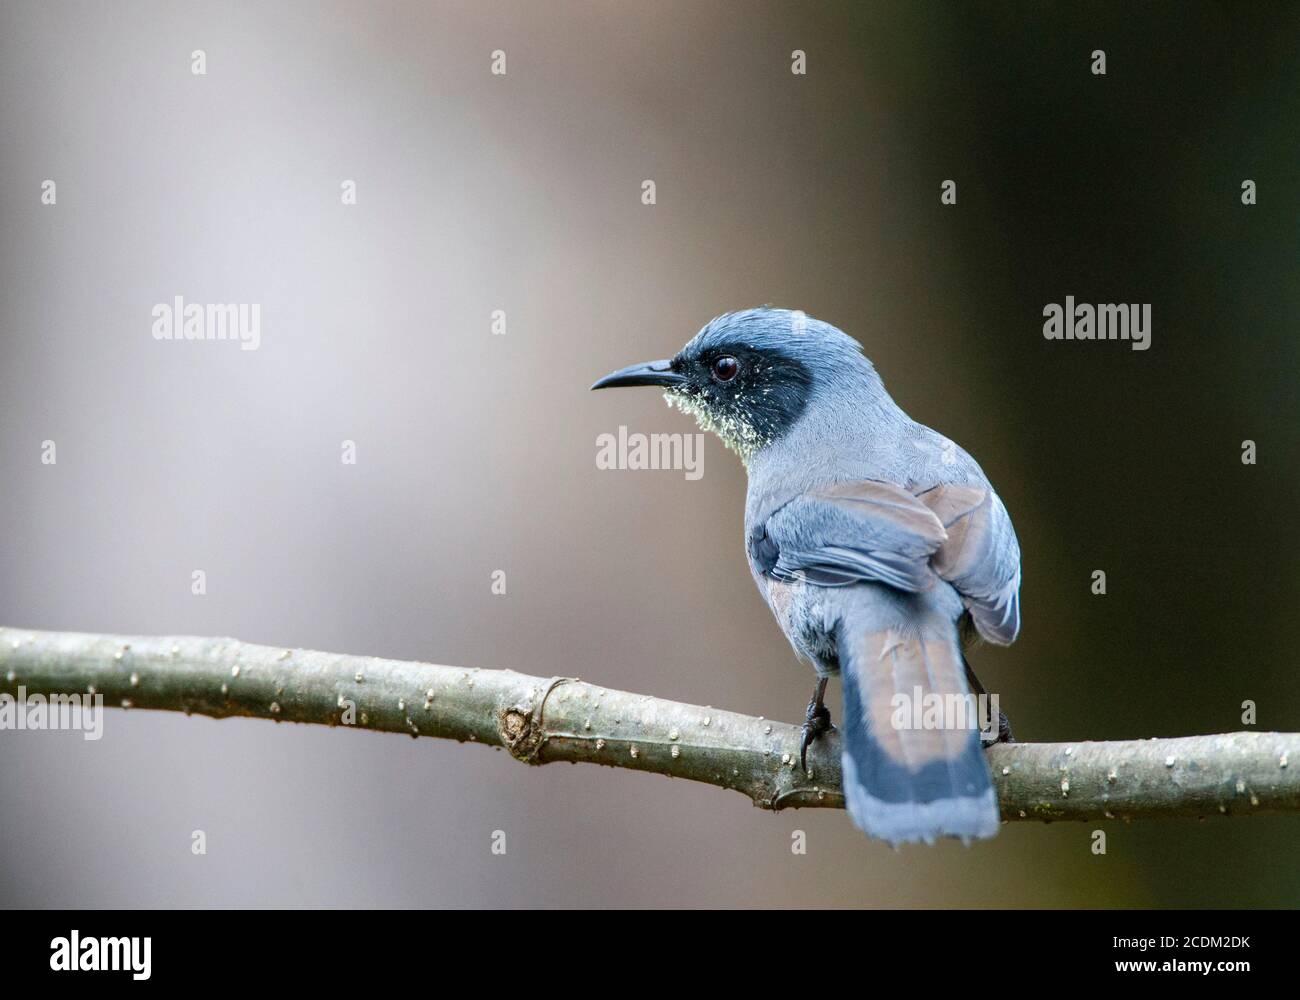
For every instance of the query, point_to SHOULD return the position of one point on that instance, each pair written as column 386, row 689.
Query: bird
column 881, row 549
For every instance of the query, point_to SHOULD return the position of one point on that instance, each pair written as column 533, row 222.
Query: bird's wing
column 870, row 531
column 980, row 558
column 850, row 533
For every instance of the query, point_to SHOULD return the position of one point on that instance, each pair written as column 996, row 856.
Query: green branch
column 544, row 719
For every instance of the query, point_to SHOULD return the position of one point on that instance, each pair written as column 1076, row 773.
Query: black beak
column 650, row 373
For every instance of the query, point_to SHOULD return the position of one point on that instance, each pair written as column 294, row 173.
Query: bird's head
column 749, row 376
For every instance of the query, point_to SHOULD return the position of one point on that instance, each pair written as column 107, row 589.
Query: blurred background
column 476, row 452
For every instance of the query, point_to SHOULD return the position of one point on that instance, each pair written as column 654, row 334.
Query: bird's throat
column 731, row 427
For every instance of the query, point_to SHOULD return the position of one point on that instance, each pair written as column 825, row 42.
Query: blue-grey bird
column 878, row 544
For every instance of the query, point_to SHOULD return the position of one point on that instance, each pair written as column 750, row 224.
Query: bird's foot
column 817, row 721
column 1004, row 732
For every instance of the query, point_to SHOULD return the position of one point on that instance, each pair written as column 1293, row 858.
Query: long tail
column 912, row 771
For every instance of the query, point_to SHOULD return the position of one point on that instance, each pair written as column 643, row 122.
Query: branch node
column 522, row 729
column 516, row 727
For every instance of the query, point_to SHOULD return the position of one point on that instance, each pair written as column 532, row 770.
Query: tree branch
column 544, row 719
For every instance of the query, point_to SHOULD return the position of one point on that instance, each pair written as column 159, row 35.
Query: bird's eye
column 726, row 368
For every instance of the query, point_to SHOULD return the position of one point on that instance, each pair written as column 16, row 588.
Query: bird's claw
column 818, row 721
column 1004, row 732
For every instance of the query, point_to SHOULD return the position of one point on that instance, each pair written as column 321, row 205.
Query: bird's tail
column 913, row 764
